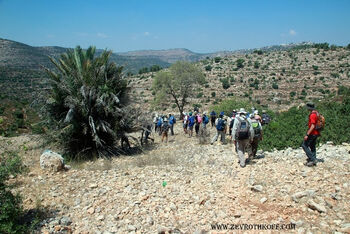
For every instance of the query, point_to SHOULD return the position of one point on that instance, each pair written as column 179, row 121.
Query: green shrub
column 240, row 63
column 275, row 86
column 225, row 83
column 217, row 59
column 208, row 68
column 11, row 211
column 199, row 95
column 213, row 94
column 288, row 128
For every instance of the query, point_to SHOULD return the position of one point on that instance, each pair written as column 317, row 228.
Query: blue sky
column 198, row 25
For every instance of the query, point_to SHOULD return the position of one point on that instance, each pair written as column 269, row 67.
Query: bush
column 275, row 86
column 11, row 211
column 288, row 128
column 256, row 64
column 240, row 63
column 225, row 83
column 208, row 68
column 217, row 59
column 213, row 94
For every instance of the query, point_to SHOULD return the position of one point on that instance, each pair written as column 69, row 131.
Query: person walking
column 220, row 124
column 257, row 116
column 198, row 121
column 212, row 118
column 243, row 134
column 312, row 133
column 172, row 121
column 165, row 130
column 155, row 121
column 203, row 132
column 258, row 134
column 159, row 124
column 191, row 122
column 185, row 122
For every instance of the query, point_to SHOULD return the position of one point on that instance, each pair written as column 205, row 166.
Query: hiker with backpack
column 198, row 121
column 220, row 124
column 203, row 132
column 258, row 134
column 165, row 130
column 212, row 118
column 243, row 135
column 205, row 120
column 191, row 122
column 172, row 121
column 257, row 116
column 315, row 126
column 159, row 124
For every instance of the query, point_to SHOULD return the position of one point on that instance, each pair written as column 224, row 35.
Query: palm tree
column 87, row 107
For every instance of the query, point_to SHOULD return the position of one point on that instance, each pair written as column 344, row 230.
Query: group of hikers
column 245, row 130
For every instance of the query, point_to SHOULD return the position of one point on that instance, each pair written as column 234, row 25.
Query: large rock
column 51, row 160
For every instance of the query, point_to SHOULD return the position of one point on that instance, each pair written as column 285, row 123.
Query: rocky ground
column 185, row 187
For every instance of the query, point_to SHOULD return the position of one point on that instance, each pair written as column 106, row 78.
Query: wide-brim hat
column 310, row 106
column 204, row 113
column 242, row 111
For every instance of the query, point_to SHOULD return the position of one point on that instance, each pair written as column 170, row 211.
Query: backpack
column 165, row 127
column 205, row 119
column 221, row 124
column 191, row 121
column 243, row 129
column 199, row 119
column 256, row 127
column 266, row 119
column 160, row 121
column 321, row 122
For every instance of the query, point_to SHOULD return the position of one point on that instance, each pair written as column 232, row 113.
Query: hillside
column 275, row 79
column 22, row 76
column 205, row 187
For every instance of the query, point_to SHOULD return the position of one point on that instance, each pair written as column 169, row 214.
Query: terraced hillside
column 277, row 79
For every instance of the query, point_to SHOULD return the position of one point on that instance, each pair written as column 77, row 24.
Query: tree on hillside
column 178, row 83
column 87, row 105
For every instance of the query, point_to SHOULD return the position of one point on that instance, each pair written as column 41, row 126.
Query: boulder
column 52, row 161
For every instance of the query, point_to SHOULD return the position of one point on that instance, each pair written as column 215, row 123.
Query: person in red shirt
column 309, row 143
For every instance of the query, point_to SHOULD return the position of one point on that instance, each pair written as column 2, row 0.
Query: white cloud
column 292, row 32
column 50, row 36
column 101, row 35
column 146, row 34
